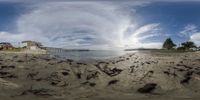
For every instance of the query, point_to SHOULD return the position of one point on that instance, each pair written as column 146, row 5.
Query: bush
column 181, row 48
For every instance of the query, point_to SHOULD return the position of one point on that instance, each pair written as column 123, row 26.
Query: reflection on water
column 93, row 54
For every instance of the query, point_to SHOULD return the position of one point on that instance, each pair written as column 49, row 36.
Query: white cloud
column 5, row 36
column 147, row 31
column 94, row 25
column 9, row 37
column 195, row 38
column 189, row 30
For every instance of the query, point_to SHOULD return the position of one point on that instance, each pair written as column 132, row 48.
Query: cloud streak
column 188, row 30
column 75, row 24
column 138, row 37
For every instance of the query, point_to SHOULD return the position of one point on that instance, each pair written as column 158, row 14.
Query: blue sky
column 173, row 16
column 100, row 25
column 9, row 12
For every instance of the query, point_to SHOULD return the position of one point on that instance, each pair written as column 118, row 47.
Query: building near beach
column 31, row 45
column 6, row 46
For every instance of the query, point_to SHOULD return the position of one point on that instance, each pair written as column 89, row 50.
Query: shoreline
column 25, row 52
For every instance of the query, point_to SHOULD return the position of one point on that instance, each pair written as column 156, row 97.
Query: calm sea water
column 93, row 54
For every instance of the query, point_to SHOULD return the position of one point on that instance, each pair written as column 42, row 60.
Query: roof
column 32, row 43
column 29, row 41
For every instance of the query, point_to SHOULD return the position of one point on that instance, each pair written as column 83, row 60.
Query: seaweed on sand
column 112, row 82
column 148, row 88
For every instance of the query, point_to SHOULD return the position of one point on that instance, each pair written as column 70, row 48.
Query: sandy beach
column 134, row 76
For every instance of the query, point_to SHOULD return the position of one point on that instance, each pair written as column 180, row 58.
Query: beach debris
column 8, row 84
column 110, row 72
column 185, row 80
column 181, row 70
column 56, row 80
column 70, row 61
column 92, row 75
column 148, row 62
column 151, row 71
column 112, row 82
column 189, row 73
column 46, row 59
column 147, row 88
column 89, row 83
column 120, row 60
column 40, row 92
column 32, row 75
column 184, row 66
column 114, row 71
column 181, row 62
column 7, row 67
column 147, row 74
column 15, row 56
column 198, row 73
column 187, row 77
column 4, row 74
column 169, row 73
column 65, row 73
column 131, row 55
column 92, row 84
column 20, row 61
column 132, row 68
column 78, row 75
column 79, row 63
column 60, row 61
column 166, row 72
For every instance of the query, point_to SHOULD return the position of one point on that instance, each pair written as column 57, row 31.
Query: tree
column 189, row 44
column 168, row 44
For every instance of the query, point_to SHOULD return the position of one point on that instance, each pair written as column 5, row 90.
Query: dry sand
column 137, row 76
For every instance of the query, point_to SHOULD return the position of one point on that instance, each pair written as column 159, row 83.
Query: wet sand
column 135, row 76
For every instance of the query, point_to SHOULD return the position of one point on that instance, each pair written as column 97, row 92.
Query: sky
column 93, row 24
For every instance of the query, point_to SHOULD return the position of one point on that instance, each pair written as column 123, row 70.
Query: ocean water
column 92, row 54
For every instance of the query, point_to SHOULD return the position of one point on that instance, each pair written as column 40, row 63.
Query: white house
column 31, row 45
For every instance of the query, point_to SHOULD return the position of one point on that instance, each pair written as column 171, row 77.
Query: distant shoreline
column 25, row 52
column 140, row 49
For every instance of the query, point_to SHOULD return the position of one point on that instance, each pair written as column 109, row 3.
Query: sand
column 134, row 76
